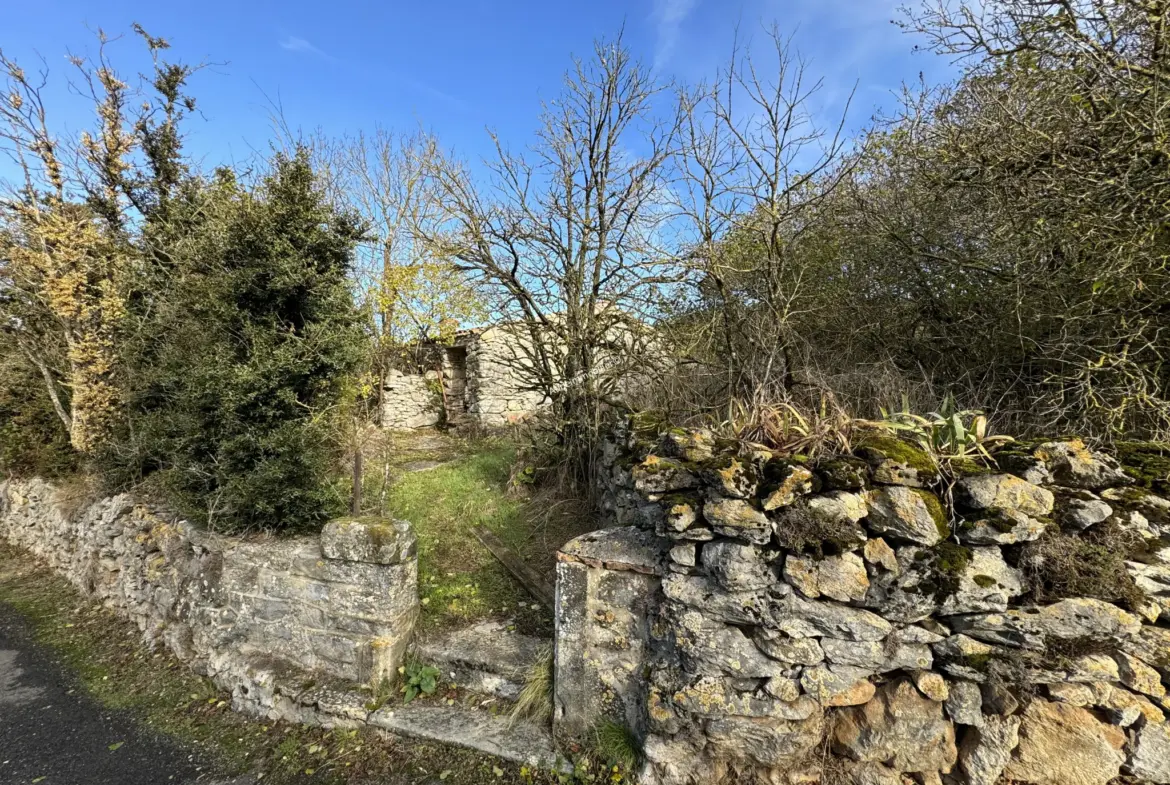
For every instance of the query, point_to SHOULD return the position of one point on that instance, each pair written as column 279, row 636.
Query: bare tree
column 409, row 294
column 568, row 235
column 757, row 166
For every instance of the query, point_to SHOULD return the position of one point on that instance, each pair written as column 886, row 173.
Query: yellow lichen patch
column 730, row 472
column 657, row 709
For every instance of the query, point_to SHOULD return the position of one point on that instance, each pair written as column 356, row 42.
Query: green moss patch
column 944, row 565
column 875, row 446
column 937, row 513
column 846, row 473
column 1147, row 462
column 965, row 467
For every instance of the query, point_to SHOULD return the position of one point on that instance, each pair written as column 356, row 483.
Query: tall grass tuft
column 536, row 699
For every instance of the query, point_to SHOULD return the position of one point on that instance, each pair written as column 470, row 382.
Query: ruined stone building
column 476, row 377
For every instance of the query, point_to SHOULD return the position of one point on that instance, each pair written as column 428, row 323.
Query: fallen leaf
column 116, row 746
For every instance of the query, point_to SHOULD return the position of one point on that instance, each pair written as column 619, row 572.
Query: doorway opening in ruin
column 455, row 383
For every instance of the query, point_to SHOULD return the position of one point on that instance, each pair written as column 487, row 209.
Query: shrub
column 250, row 342
column 33, row 440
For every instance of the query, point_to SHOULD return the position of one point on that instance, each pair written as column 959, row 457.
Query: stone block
column 370, row 540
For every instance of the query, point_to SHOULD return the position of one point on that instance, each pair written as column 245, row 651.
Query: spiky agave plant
column 948, row 433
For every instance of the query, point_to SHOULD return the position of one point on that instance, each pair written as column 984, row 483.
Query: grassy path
column 459, row 580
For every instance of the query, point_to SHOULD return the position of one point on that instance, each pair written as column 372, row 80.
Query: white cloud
column 292, row 43
column 668, row 16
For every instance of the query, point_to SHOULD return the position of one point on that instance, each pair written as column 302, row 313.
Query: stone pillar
column 372, row 566
column 608, row 593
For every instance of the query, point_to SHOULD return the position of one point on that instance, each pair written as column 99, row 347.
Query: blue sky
column 456, row 66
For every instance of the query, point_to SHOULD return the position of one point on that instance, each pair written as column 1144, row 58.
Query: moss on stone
column 880, row 445
column 937, row 513
column 649, row 423
column 846, row 473
column 965, row 467
column 951, row 558
column 679, row 498
column 993, row 517
column 944, row 565
column 382, row 535
column 1147, row 462
column 984, row 581
column 978, row 662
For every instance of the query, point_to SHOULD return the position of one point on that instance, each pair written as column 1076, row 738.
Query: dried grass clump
column 792, row 428
column 536, row 698
column 1060, row 565
column 74, row 493
column 799, row 530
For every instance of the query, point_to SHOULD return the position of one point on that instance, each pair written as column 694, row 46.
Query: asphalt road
column 53, row 734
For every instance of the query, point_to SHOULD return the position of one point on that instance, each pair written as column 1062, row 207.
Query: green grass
column 617, row 745
column 459, row 580
column 111, row 664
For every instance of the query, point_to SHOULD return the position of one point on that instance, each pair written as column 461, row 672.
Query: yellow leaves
column 68, row 264
column 426, row 297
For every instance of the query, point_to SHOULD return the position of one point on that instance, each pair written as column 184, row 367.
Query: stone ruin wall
column 495, row 386
column 262, row 617
column 864, row 620
column 487, row 385
column 411, row 400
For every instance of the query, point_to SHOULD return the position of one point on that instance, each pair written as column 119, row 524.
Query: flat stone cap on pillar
column 621, row 548
column 369, row 539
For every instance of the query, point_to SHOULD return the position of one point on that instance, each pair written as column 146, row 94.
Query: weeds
column 459, row 580
column 949, row 433
column 618, row 745
column 418, row 679
column 535, row 701
column 1083, row 565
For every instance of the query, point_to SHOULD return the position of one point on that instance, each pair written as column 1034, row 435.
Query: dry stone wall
column 497, row 388
column 411, row 400
column 870, row 619
column 261, row 617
